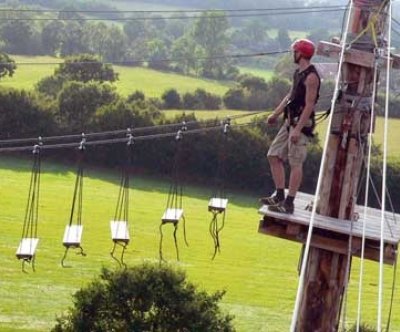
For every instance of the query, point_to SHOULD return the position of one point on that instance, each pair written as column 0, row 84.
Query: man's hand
column 294, row 135
column 272, row 119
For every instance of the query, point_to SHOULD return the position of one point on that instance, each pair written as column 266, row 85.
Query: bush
column 144, row 298
column 235, row 99
column 171, row 99
column 136, row 96
column 24, row 114
column 201, row 100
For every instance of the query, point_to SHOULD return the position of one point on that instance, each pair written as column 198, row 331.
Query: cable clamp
column 82, row 143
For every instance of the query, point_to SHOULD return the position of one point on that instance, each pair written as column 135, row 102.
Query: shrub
column 144, row 298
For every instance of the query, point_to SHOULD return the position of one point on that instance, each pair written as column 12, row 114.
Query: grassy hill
column 258, row 272
column 152, row 83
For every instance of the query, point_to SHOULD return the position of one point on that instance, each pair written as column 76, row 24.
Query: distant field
column 152, row 83
column 27, row 74
column 265, row 74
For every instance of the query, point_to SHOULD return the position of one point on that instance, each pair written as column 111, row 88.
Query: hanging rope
column 384, row 175
column 366, row 196
column 120, row 235
column 73, row 232
column 29, row 239
column 218, row 202
column 174, row 211
column 300, row 288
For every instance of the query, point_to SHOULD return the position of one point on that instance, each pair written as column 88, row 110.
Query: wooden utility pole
column 327, row 271
column 327, row 268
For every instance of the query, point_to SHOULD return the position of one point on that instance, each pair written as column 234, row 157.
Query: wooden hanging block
column 217, row 204
column 172, row 216
column 72, row 235
column 119, row 231
column 27, row 248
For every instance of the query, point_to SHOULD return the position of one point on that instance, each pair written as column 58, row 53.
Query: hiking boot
column 271, row 200
column 283, row 207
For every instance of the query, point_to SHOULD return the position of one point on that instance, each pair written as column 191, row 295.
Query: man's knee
column 274, row 160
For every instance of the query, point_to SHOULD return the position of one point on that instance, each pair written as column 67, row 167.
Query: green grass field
column 152, row 83
column 258, row 272
column 265, row 74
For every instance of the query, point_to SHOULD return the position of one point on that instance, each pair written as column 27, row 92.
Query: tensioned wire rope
column 122, row 140
column 103, row 11
column 45, row 139
column 157, row 18
column 300, row 288
column 384, row 166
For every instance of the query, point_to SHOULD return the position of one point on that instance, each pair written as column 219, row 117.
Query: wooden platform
column 172, row 215
column 334, row 234
column 119, row 231
column 217, row 204
column 27, row 248
column 72, row 235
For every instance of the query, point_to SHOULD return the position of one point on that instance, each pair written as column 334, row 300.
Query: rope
column 365, row 212
column 30, row 226
column 120, row 131
column 77, row 199
column 29, row 10
column 318, row 189
column 175, row 194
column 384, row 176
column 122, row 208
column 157, row 18
column 120, row 140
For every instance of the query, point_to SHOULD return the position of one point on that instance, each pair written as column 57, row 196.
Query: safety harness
column 297, row 100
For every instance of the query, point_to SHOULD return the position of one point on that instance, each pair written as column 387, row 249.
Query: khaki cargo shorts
column 281, row 147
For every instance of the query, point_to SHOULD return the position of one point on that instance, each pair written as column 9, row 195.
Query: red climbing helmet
column 305, row 47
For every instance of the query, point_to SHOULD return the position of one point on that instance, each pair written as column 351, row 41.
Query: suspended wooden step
column 217, row 204
column 334, row 234
column 172, row 216
column 119, row 231
column 72, row 236
column 27, row 249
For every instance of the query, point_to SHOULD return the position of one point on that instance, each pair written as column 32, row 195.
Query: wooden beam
column 353, row 56
column 326, row 240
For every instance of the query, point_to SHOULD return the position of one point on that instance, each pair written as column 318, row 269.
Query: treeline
column 197, row 46
column 86, row 102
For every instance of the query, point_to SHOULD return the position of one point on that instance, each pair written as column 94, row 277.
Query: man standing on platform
column 299, row 121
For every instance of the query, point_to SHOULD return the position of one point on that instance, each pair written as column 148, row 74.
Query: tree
column 17, row 36
column 284, row 39
column 72, row 39
column 7, row 65
column 52, row 37
column 157, row 53
column 171, row 99
column 78, row 103
column 210, row 32
column 144, row 298
column 24, row 114
column 85, row 68
column 285, row 67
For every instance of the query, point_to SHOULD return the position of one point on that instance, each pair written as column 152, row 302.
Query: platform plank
column 334, row 234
